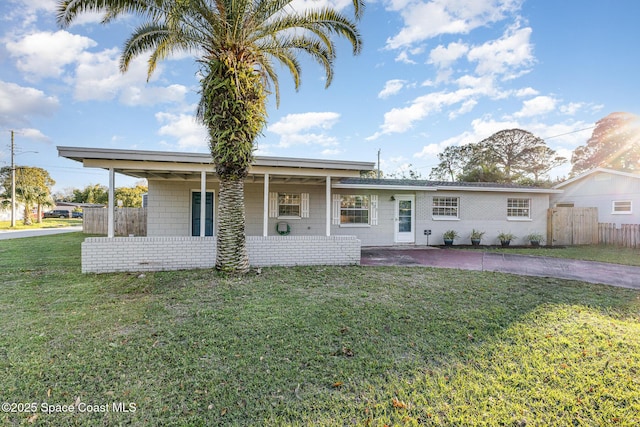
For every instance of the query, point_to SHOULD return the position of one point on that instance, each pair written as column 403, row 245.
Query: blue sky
column 431, row 74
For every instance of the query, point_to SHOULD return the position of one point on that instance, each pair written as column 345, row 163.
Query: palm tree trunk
column 231, row 251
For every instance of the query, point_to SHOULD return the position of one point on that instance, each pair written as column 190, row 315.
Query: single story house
column 298, row 211
column 616, row 195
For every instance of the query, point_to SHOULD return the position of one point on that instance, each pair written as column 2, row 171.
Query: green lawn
column 326, row 346
column 46, row 223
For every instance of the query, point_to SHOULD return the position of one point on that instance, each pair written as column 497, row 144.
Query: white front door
column 404, row 219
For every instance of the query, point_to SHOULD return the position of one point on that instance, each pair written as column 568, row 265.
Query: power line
column 569, row 133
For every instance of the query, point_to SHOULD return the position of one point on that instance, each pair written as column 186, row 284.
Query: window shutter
column 304, row 205
column 373, row 215
column 273, row 205
column 336, row 209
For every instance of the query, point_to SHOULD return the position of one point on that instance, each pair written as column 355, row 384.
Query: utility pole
column 378, row 163
column 13, row 183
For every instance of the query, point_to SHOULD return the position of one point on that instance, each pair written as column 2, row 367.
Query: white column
column 265, row 208
column 112, row 204
column 327, row 198
column 203, row 203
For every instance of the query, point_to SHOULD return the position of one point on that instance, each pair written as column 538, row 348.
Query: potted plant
column 476, row 236
column 449, row 237
column 535, row 238
column 506, row 238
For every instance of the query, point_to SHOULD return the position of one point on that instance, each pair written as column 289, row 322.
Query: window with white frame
column 354, row 209
column 445, row 207
column 518, row 208
column 289, row 205
column 622, row 207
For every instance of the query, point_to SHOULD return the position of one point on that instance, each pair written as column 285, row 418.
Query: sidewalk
column 527, row 265
column 17, row 234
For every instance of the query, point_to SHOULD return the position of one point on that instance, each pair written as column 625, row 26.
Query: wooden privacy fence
column 627, row 235
column 572, row 226
column 128, row 221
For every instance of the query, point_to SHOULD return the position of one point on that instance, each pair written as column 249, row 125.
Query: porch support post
column 112, row 204
column 203, row 202
column 327, row 199
column 265, row 208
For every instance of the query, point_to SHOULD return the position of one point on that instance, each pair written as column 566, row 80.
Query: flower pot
column 505, row 243
column 535, row 243
column 448, row 242
column 475, row 242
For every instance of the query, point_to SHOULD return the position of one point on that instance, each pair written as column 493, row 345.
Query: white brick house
column 298, row 211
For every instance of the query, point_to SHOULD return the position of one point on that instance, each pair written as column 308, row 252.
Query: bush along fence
column 628, row 235
column 127, row 221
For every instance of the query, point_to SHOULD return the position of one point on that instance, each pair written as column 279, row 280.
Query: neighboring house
column 616, row 195
column 5, row 212
column 298, row 211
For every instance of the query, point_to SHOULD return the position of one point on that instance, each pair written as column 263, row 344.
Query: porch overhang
column 189, row 166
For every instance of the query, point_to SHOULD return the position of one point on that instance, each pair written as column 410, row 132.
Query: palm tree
column 236, row 43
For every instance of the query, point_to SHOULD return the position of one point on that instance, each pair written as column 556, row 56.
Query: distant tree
column 540, row 161
column 614, row 144
column 453, row 161
column 371, row 174
column 483, row 173
column 131, row 197
column 406, row 173
column 518, row 153
column 506, row 156
column 92, row 193
column 33, row 188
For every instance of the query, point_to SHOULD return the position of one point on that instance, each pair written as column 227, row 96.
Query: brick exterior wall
column 140, row 254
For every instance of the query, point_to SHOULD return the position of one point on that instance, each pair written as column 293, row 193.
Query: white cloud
column 19, row 103
column 442, row 56
column 190, row 134
column 537, row 106
column 527, row 91
column 98, row 77
column 404, row 58
column 426, row 19
column 391, row 87
column 302, row 129
column 400, row 120
column 510, row 56
column 571, row 108
column 34, row 134
column 295, row 123
column 45, row 54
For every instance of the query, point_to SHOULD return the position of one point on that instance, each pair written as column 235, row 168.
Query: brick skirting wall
column 138, row 254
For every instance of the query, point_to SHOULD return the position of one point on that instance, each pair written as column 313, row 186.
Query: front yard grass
column 325, row 346
column 46, row 223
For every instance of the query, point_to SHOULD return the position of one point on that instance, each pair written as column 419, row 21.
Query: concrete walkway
column 16, row 234
column 527, row 265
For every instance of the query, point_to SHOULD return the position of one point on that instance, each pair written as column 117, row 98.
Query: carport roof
column 169, row 165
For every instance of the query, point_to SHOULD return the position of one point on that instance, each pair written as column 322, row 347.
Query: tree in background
column 453, row 161
column 92, row 193
column 614, row 144
column 131, row 197
column 33, row 189
column 510, row 155
column 237, row 44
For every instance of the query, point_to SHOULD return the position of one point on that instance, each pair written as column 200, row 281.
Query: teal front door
column 195, row 214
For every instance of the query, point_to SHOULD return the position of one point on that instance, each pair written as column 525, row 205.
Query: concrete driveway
column 16, row 234
column 586, row 271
